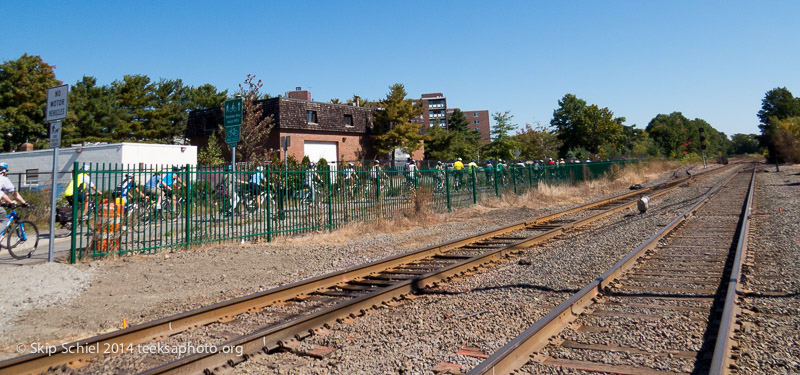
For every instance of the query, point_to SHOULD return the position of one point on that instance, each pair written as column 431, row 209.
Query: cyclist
column 440, row 175
column 152, row 186
column 459, row 167
column 170, row 180
column 311, row 178
column 6, row 190
column 488, row 171
column 255, row 185
column 124, row 188
column 411, row 171
column 84, row 181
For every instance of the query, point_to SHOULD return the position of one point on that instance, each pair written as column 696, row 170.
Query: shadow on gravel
column 423, row 291
column 770, row 295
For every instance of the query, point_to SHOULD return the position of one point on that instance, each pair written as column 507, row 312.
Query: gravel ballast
column 484, row 310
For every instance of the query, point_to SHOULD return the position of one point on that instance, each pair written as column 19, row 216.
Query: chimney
column 299, row 93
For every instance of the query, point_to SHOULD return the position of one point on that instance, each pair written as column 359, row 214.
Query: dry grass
column 421, row 215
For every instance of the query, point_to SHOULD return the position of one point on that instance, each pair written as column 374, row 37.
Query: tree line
column 132, row 109
column 139, row 109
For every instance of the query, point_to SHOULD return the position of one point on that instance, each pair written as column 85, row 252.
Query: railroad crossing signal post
column 56, row 111
column 233, row 126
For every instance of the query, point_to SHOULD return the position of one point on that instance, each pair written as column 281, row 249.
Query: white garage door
column 320, row 150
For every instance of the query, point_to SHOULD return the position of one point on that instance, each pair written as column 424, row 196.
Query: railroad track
column 668, row 307
column 263, row 321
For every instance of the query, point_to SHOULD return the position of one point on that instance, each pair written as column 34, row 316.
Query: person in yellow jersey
column 84, row 184
column 459, row 168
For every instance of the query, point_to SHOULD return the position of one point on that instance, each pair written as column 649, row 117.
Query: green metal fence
column 205, row 204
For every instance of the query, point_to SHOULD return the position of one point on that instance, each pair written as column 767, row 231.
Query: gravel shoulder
column 770, row 339
column 55, row 303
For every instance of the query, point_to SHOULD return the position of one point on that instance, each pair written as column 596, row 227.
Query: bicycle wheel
column 22, row 232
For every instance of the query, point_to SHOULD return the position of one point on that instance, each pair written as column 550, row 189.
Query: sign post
column 233, row 126
column 55, row 112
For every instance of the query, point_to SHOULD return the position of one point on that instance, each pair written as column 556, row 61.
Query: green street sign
column 232, row 134
column 233, row 112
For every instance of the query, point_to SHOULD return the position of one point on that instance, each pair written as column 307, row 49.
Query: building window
column 32, row 177
column 475, row 114
column 312, row 116
column 477, row 122
column 348, row 120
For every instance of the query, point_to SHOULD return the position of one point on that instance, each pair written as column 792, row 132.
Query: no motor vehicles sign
column 57, row 103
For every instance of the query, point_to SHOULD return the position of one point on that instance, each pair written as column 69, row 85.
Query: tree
column 23, row 92
column 744, row 144
column 786, row 139
column 167, row 117
column 134, row 98
column 252, row 148
column 677, row 136
column 457, row 141
column 778, row 104
column 212, row 153
column 205, row 96
column 92, row 113
column 457, row 121
column 537, row 142
column 502, row 145
column 393, row 123
column 578, row 125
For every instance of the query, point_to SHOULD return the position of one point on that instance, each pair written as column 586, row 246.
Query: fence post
column 186, row 210
column 330, row 199
column 269, row 211
column 496, row 189
column 530, row 176
column 474, row 187
column 72, row 257
column 447, row 187
column 514, row 178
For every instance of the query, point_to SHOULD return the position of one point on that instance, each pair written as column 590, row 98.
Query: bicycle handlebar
column 14, row 205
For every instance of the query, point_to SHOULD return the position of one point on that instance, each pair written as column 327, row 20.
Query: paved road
column 40, row 256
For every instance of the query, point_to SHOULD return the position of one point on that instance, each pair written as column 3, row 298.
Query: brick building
column 435, row 113
column 319, row 130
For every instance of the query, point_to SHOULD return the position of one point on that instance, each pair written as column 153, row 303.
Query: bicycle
column 18, row 231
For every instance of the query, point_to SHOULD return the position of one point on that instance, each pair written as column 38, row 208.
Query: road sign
column 517, row 153
column 233, row 112
column 57, row 103
column 232, row 134
column 55, row 134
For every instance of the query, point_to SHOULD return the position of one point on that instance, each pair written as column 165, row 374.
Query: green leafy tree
column 778, row 104
column 212, row 153
column 677, row 136
column 503, row 144
column 457, row 141
column 537, row 142
column 786, row 139
column 393, row 123
column 744, row 144
column 579, row 125
column 23, row 92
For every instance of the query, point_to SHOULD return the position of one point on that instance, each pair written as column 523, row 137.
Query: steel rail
column 271, row 338
column 223, row 311
column 720, row 361
column 517, row 352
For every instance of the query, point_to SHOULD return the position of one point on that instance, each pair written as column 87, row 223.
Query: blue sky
column 713, row 60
